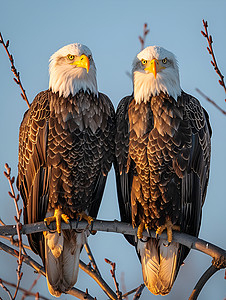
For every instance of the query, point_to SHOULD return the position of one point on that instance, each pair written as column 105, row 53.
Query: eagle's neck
column 66, row 80
column 146, row 86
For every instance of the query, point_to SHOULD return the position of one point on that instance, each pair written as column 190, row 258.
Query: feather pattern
column 162, row 170
column 66, row 148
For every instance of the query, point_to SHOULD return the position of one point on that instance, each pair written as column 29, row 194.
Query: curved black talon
column 93, row 232
column 50, row 230
column 145, row 241
column 77, row 230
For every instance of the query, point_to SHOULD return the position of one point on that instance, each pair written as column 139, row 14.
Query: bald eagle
column 163, row 161
column 66, row 148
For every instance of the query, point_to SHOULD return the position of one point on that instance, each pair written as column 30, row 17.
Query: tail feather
column 62, row 260
column 159, row 265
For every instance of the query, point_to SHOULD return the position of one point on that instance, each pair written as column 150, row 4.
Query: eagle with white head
column 162, row 164
column 66, row 148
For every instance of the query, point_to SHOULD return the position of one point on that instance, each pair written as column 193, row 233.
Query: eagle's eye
column 143, row 61
column 164, row 61
column 89, row 57
column 70, row 56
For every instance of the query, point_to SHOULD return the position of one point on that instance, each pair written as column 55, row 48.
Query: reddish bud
column 208, row 50
column 203, row 33
column 221, row 82
column 210, row 39
column 16, row 80
column 10, row 194
column 13, row 179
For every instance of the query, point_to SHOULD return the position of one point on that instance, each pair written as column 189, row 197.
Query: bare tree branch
column 202, row 281
column 211, row 101
column 139, row 291
column 113, row 268
column 38, row 268
column 143, row 38
column 210, row 50
column 14, row 70
column 104, row 286
column 26, row 292
column 119, row 227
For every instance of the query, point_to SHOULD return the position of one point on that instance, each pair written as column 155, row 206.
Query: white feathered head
column 71, row 69
column 155, row 70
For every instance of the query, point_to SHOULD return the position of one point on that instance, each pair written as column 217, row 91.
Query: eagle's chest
column 157, row 134
column 81, row 112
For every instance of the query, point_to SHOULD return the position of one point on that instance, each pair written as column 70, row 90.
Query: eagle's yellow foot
column 169, row 229
column 58, row 215
column 83, row 215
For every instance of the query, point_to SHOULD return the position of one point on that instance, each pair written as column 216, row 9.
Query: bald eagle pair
column 159, row 141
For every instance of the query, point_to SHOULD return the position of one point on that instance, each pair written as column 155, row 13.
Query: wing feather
column 33, row 173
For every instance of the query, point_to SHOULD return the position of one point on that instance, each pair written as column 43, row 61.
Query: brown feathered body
column 66, row 148
column 162, row 171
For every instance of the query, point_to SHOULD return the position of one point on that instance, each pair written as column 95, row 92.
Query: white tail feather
column 158, row 265
column 62, row 260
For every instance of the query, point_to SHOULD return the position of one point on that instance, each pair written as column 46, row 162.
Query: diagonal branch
column 26, row 292
column 38, row 268
column 113, row 267
column 202, row 281
column 14, row 70
column 211, row 101
column 210, row 50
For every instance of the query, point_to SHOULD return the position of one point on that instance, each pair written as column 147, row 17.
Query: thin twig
column 14, row 242
column 38, row 268
column 91, row 258
column 32, row 286
column 14, row 70
column 143, row 38
column 139, row 291
column 26, row 292
column 18, row 226
column 113, row 267
column 6, row 289
column 123, row 286
column 202, row 281
column 104, row 286
column 210, row 50
column 211, row 101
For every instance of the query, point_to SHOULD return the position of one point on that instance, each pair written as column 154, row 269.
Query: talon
column 58, row 215
column 84, row 216
column 169, row 229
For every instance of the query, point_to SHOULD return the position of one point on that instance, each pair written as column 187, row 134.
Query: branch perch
column 119, row 227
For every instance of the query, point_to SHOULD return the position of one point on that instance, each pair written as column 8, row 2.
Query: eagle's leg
column 83, row 215
column 58, row 215
column 169, row 229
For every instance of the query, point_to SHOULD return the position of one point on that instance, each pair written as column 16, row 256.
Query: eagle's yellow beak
column 154, row 66
column 82, row 62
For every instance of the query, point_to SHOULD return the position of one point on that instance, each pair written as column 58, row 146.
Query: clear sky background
column 36, row 29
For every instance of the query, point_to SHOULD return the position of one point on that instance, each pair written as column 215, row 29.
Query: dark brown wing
column 195, row 179
column 124, row 169
column 33, row 174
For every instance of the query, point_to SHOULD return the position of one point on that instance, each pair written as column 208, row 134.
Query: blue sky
column 111, row 29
